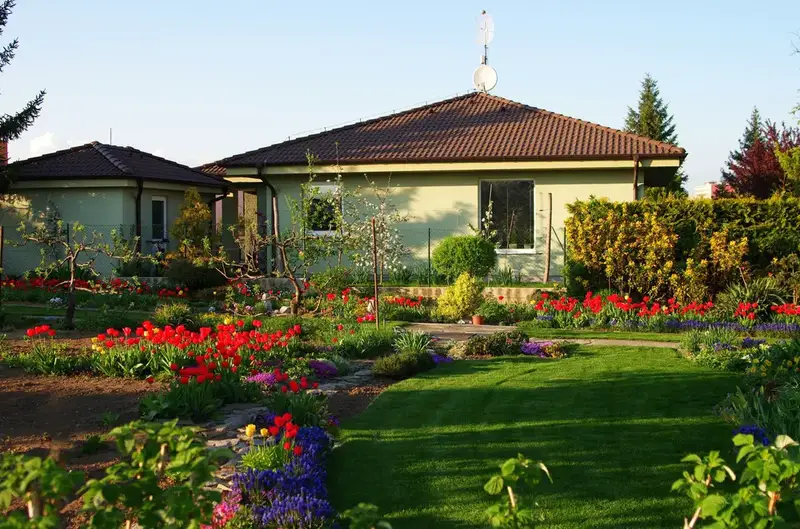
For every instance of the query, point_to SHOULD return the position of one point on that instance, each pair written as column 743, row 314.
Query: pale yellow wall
column 448, row 202
column 100, row 209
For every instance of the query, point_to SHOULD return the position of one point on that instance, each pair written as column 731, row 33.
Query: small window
column 512, row 212
column 322, row 217
column 159, row 218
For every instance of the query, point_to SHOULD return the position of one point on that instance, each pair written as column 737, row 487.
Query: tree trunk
column 69, row 318
column 297, row 294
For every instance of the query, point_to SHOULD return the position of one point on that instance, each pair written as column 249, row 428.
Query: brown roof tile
column 212, row 168
column 473, row 127
column 98, row 160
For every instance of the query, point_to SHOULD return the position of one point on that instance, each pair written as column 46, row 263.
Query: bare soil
column 41, row 415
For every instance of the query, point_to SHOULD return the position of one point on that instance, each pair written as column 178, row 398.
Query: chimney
column 3, row 153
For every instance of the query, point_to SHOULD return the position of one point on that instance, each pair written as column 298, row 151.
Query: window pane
column 157, row 220
column 512, row 211
column 322, row 214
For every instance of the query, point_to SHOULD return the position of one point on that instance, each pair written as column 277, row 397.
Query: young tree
column 80, row 250
column 758, row 172
column 13, row 125
column 375, row 202
column 651, row 119
column 192, row 225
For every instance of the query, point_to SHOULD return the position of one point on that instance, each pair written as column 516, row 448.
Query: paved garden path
column 463, row 331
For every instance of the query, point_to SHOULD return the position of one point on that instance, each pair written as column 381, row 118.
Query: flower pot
column 477, row 320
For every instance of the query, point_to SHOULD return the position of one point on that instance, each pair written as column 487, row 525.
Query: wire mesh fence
column 515, row 263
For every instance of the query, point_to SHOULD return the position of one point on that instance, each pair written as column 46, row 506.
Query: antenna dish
column 485, row 29
column 484, row 78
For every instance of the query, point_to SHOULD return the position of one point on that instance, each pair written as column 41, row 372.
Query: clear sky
column 198, row 80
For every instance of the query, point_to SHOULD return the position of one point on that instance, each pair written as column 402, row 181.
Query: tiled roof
column 473, row 127
column 98, row 160
column 212, row 168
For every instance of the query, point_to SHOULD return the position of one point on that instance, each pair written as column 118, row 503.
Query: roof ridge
column 102, row 149
column 151, row 155
column 583, row 121
column 58, row 153
column 351, row 125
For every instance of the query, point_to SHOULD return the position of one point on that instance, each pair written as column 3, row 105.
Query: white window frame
column 164, row 220
column 512, row 251
column 326, row 187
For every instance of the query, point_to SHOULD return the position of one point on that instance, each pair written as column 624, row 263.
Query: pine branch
column 12, row 127
column 7, row 54
column 5, row 11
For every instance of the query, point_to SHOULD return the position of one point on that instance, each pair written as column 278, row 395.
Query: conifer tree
column 651, row 119
column 13, row 125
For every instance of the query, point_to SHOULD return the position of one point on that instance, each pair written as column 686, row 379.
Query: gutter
column 635, row 177
column 138, row 207
column 275, row 217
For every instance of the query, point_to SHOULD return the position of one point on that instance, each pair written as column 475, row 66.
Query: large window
column 159, row 218
column 512, row 213
column 322, row 217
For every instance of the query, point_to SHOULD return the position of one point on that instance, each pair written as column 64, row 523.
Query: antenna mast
column 485, row 77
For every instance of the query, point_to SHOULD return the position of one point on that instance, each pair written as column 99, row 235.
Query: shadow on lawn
column 613, row 444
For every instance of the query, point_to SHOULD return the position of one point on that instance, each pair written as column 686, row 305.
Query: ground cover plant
column 611, row 423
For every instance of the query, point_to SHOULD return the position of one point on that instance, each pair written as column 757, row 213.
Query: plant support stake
column 375, row 273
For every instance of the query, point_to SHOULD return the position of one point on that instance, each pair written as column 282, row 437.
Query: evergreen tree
column 651, row 119
column 752, row 133
column 13, row 125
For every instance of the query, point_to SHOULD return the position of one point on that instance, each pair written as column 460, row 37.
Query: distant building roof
column 472, row 127
column 97, row 160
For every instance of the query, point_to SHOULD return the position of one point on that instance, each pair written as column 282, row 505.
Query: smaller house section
column 104, row 188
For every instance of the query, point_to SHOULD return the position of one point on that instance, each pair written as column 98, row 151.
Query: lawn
column 611, row 424
column 592, row 334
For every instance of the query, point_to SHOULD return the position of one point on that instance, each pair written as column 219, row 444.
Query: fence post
column 430, row 280
column 548, row 238
column 375, row 273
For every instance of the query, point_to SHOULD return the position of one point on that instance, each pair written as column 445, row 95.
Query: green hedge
column 772, row 227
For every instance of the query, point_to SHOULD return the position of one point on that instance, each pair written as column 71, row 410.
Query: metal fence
column 527, row 263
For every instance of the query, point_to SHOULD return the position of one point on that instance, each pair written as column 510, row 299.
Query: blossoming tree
column 76, row 252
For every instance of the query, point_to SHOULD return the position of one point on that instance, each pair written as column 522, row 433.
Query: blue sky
column 199, row 80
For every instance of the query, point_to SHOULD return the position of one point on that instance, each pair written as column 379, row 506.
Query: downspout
column 635, row 177
column 138, row 208
column 275, row 218
column 211, row 207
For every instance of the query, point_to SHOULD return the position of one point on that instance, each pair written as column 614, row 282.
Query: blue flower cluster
column 759, row 434
column 296, row 496
column 748, row 343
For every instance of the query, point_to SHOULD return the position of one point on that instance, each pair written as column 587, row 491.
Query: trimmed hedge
column 771, row 227
column 457, row 254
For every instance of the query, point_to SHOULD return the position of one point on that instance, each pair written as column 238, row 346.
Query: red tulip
column 298, row 450
column 287, row 445
column 184, row 380
column 173, row 366
column 150, row 380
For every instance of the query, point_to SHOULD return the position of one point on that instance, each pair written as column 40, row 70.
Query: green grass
column 611, row 423
column 591, row 334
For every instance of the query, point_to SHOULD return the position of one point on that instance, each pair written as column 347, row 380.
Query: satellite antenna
column 485, row 77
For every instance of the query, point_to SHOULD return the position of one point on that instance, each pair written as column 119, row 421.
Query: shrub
column 494, row 312
column 764, row 291
column 173, row 314
column 462, row 299
column 365, row 343
column 496, row 344
column 195, row 275
column 772, row 408
column 412, row 342
column 458, row 254
column 402, row 365
column 767, row 227
column 333, row 279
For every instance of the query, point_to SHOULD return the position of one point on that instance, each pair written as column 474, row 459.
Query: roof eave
column 371, row 161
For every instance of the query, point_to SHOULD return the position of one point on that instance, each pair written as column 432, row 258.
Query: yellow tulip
column 250, row 430
column 264, row 432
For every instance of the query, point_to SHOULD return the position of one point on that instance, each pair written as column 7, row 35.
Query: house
column 449, row 160
column 103, row 187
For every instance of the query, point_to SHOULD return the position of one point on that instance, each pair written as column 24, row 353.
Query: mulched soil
column 348, row 404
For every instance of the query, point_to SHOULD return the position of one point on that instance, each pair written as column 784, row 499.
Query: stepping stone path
column 228, row 431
